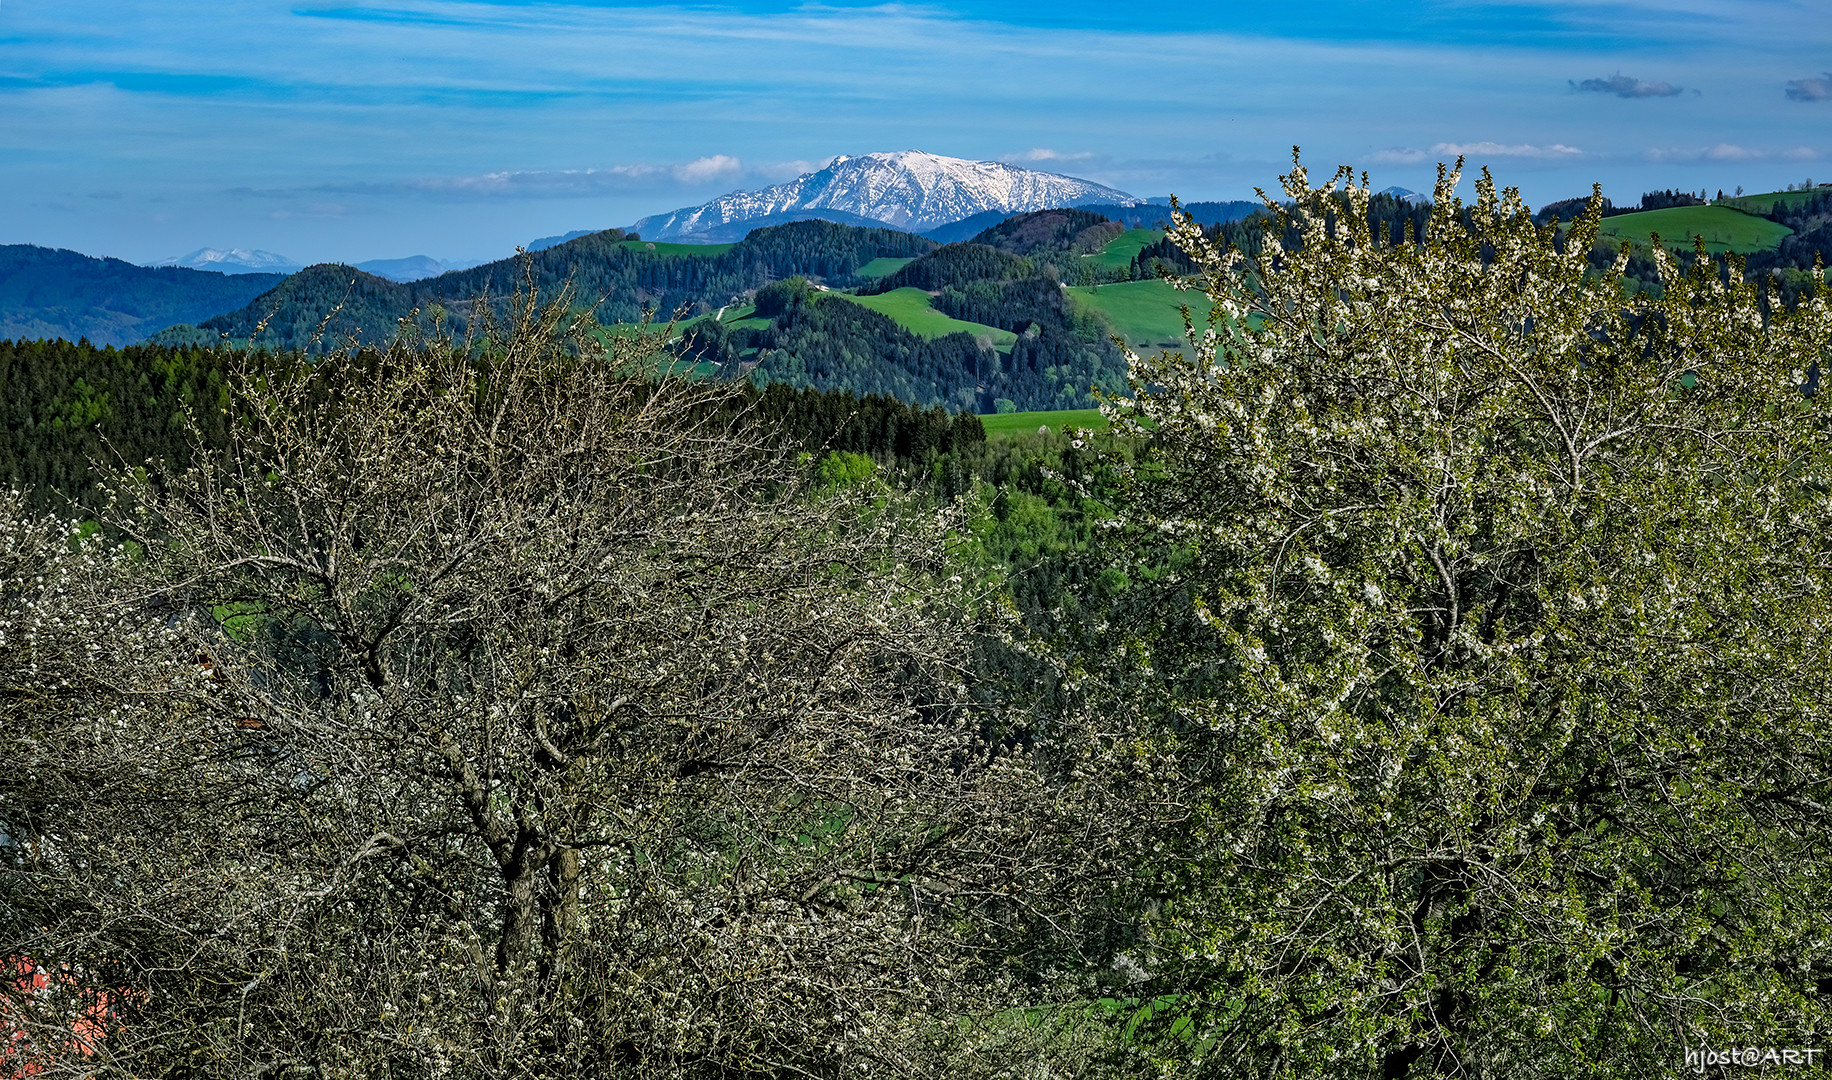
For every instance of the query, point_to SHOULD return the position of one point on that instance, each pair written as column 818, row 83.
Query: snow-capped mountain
column 1405, row 195
column 910, row 190
column 233, row 261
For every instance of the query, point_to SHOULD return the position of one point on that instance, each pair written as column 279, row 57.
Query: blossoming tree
column 1477, row 654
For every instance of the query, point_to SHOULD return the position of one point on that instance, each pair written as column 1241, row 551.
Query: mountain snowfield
column 909, row 190
column 233, row 261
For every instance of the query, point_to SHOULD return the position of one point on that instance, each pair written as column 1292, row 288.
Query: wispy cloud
column 1627, row 86
column 1549, row 152
column 707, row 169
column 1446, row 151
column 312, row 211
column 1819, row 89
column 1729, row 152
column 1398, row 155
column 1044, row 153
column 537, row 183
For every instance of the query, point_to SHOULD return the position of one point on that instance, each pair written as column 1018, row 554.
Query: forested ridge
column 324, row 306
column 52, row 293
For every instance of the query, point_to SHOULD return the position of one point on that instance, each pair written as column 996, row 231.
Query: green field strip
column 1122, row 249
column 1762, row 204
column 1006, row 425
column 703, row 250
column 909, row 308
column 882, row 266
column 1723, row 228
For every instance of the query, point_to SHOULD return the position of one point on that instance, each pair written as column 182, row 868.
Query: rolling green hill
column 910, row 308
column 1122, row 249
column 322, row 306
column 1724, row 229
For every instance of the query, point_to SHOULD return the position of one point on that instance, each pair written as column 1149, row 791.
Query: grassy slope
column 736, row 316
column 909, row 308
column 705, row 250
column 1723, row 228
column 1122, row 249
column 1024, row 423
column 1148, row 314
column 883, row 266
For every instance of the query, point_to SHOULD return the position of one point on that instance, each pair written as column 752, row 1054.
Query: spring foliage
column 1480, row 655
column 496, row 708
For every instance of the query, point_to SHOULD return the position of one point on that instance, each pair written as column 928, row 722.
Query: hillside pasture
column 909, row 308
column 882, row 266
column 1724, row 229
column 1010, row 425
column 1147, row 314
column 657, row 248
column 736, row 317
column 1119, row 252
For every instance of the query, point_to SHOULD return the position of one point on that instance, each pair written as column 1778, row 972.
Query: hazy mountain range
column 247, row 261
column 53, row 293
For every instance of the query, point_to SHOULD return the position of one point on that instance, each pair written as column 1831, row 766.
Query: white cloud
column 1819, row 89
column 1447, row 151
column 1728, row 152
column 1550, row 152
column 1044, row 153
column 1627, row 86
column 776, row 172
column 544, row 183
column 703, row 170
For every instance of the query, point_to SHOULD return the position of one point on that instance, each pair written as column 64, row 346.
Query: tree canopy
column 498, row 708
column 1475, row 663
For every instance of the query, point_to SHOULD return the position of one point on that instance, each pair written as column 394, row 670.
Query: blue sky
column 326, row 129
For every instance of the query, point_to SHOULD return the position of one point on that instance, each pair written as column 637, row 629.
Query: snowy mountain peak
column 907, row 189
column 1405, row 195
column 233, row 261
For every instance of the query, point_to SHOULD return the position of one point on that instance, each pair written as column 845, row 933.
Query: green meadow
column 1148, row 314
column 909, row 308
column 1723, row 228
column 703, row 250
column 882, row 266
column 1008, row 425
column 1122, row 249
